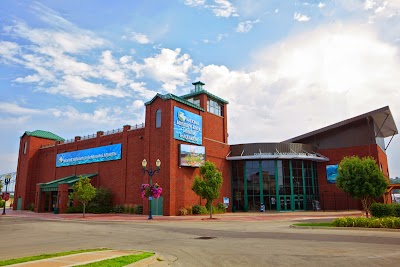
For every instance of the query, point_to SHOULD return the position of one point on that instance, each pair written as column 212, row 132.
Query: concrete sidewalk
column 84, row 258
column 230, row 216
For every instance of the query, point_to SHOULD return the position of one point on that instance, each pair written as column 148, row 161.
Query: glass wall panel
column 247, row 175
column 253, row 184
column 238, row 185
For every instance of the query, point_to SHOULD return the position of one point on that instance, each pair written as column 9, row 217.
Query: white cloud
column 321, row 5
column 246, row 26
column 137, row 104
column 12, row 108
column 194, row 3
column 168, row 67
column 78, row 88
column 223, row 8
column 307, row 82
column 220, row 8
column 137, row 37
column 300, row 17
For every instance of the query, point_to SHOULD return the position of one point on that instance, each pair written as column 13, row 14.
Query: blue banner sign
column 331, row 173
column 85, row 156
column 188, row 126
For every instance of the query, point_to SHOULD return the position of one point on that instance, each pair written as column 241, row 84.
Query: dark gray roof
column 382, row 117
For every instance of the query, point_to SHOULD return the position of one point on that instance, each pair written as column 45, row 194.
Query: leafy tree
column 208, row 184
column 1, row 185
column 361, row 179
column 83, row 191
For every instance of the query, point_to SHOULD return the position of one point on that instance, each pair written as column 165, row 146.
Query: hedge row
column 386, row 222
column 380, row 210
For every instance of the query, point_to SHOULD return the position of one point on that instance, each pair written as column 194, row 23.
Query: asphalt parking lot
column 229, row 240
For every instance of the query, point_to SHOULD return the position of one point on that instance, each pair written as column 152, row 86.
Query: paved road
column 206, row 243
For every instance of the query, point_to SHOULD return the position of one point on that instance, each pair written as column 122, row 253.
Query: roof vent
column 198, row 86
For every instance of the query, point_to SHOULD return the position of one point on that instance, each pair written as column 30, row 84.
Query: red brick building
column 283, row 176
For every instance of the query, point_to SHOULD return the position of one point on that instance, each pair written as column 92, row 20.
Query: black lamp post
column 6, row 182
column 151, row 173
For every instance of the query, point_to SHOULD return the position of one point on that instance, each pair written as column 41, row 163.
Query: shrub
column 183, row 211
column 380, row 210
column 221, row 208
column 76, row 209
column 2, row 203
column 196, row 209
column 203, row 210
column 384, row 222
column 138, row 209
column 189, row 210
column 118, row 209
column 396, row 210
column 102, row 201
column 131, row 208
column 31, row 207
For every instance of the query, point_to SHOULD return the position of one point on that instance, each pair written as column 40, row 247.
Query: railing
column 114, row 131
column 89, row 136
column 137, row 126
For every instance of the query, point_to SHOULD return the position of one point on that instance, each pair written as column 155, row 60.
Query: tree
column 208, row 184
column 83, row 191
column 361, row 179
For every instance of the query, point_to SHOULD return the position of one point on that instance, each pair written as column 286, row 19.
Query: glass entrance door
column 284, row 202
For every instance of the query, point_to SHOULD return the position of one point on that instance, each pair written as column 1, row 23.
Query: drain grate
column 205, row 237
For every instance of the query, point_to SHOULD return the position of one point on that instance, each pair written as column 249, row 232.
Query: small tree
column 361, row 179
column 83, row 191
column 208, row 184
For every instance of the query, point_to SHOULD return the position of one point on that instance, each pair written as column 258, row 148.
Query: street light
column 151, row 173
column 6, row 182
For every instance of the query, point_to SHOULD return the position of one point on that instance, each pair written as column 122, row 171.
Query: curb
column 345, row 228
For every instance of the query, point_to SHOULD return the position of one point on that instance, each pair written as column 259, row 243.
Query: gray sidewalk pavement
column 229, row 216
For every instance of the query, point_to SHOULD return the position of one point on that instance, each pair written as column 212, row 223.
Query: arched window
column 158, row 118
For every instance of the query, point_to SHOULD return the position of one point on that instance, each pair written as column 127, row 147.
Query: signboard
column 85, row 156
column 188, row 126
column 192, row 156
column 331, row 173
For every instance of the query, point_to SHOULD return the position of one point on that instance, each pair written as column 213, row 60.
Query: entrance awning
column 70, row 180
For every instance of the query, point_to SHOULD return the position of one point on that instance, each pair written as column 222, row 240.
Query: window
column 25, row 147
column 214, row 107
column 158, row 118
column 194, row 100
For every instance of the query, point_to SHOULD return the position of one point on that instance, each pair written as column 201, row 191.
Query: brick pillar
column 62, row 198
column 37, row 199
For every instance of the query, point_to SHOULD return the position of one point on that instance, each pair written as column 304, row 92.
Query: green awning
column 70, row 180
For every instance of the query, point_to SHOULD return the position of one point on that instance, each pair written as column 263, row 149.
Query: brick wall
column 330, row 195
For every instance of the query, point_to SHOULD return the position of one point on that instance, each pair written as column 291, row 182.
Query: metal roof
column 44, row 134
column 382, row 117
column 174, row 97
column 207, row 93
column 70, row 180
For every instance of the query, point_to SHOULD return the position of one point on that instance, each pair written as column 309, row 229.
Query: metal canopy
column 70, row 180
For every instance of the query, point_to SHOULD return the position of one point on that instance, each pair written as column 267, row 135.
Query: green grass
column 120, row 261
column 47, row 256
column 323, row 224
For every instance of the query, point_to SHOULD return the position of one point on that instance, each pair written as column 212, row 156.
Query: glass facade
column 282, row 185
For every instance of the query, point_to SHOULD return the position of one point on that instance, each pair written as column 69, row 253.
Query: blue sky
column 286, row 67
